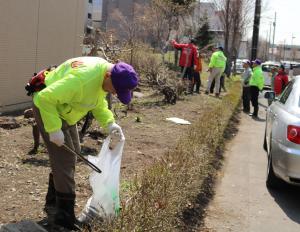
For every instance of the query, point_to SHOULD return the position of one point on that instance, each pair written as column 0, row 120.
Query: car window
column 265, row 68
column 296, row 65
column 268, row 67
column 286, row 93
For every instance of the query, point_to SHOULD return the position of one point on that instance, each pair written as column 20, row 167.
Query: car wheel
column 272, row 180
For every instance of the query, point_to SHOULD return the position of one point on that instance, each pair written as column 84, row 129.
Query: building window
column 91, row 1
column 88, row 30
column 89, row 15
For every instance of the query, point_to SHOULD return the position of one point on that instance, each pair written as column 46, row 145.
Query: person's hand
column 114, row 128
column 172, row 41
column 57, row 137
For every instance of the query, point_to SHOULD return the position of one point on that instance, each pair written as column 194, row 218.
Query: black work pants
column 222, row 83
column 187, row 73
column 197, row 81
column 254, row 91
column 246, row 99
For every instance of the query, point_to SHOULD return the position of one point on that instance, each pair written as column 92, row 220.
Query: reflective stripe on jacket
column 257, row 79
column 73, row 89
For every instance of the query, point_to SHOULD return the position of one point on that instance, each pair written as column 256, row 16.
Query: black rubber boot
column 50, row 197
column 65, row 215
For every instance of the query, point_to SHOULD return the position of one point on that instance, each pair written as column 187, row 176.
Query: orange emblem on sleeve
column 76, row 64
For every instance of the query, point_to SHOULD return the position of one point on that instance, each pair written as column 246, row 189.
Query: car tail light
column 293, row 134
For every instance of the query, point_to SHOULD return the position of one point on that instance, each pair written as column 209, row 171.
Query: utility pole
column 274, row 26
column 255, row 29
column 284, row 50
column 270, row 32
column 266, row 56
column 292, row 50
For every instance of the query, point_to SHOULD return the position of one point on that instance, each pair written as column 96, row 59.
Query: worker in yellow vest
column 216, row 67
column 67, row 94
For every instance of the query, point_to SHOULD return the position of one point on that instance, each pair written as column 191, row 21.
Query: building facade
column 126, row 8
column 93, row 15
column 33, row 35
column 286, row 52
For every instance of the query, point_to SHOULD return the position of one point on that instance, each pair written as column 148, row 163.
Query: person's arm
column 200, row 64
column 248, row 76
column 286, row 80
column 261, row 81
column 212, row 62
column 277, row 85
column 64, row 91
column 177, row 45
column 102, row 114
column 195, row 58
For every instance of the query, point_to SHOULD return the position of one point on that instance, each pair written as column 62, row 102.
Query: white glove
column 57, row 137
column 114, row 128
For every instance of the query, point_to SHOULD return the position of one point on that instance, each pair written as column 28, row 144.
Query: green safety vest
column 218, row 60
column 257, row 79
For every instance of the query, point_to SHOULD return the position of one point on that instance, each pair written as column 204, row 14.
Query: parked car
column 294, row 65
column 238, row 68
column 266, row 68
column 282, row 136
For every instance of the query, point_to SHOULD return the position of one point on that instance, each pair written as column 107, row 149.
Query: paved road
column 242, row 201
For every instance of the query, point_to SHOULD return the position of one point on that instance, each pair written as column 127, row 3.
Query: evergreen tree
column 204, row 36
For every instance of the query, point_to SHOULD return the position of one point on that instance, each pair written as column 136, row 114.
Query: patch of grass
column 171, row 195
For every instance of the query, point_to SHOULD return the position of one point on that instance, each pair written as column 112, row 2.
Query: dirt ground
column 23, row 177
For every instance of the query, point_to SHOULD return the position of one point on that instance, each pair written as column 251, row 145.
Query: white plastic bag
column 105, row 200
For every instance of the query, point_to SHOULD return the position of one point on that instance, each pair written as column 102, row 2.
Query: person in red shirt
column 187, row 61
column 280, row 81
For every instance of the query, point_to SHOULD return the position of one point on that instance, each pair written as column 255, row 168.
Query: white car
column 282, row 136
column 238, row 66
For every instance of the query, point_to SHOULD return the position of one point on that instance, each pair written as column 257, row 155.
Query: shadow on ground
column 288, row 199
column 36, row 161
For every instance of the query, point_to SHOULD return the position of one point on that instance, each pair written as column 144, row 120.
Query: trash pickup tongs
column 93, row 166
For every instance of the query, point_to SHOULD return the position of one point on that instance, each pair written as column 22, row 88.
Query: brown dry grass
column 172, row 194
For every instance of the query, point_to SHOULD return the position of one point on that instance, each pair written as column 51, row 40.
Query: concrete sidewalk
column 242, row 202
column 23, row 226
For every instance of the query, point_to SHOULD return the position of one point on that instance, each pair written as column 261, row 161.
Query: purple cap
column 124, row 80
column 256, row 61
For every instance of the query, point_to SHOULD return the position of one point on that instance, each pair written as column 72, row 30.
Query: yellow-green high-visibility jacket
column 73, row 89
column 257, row 79
column 218, row 60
